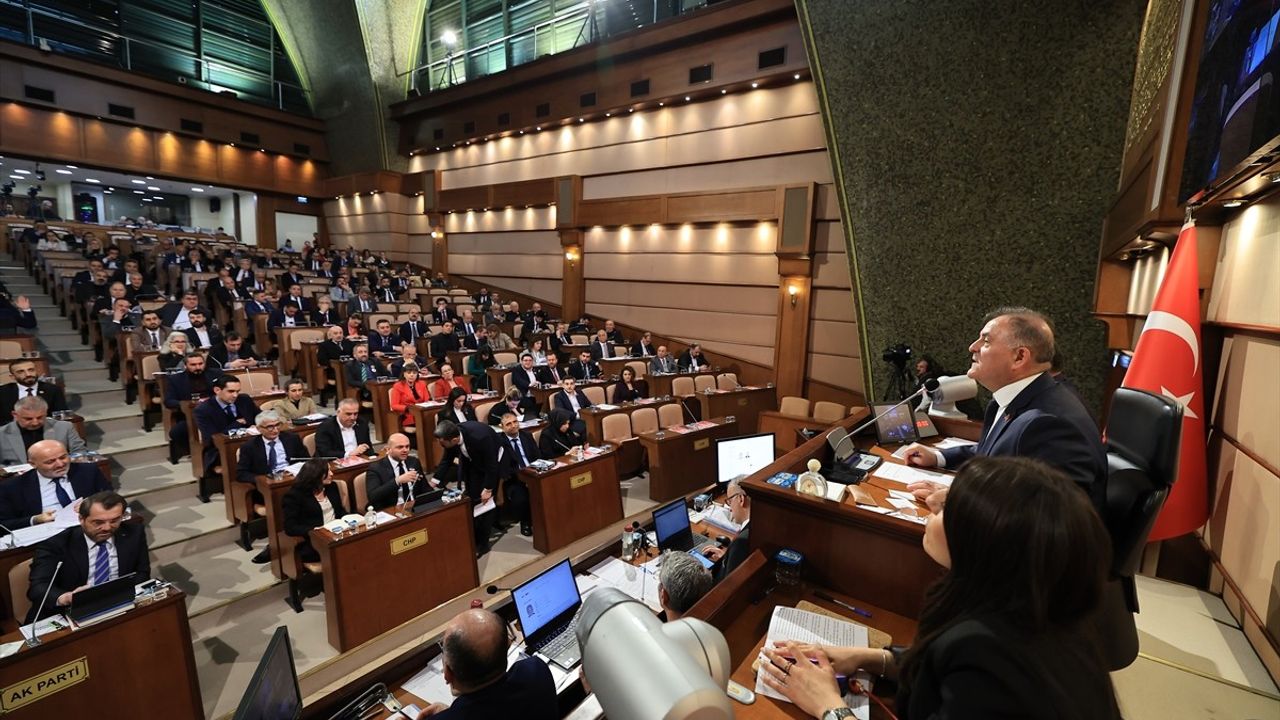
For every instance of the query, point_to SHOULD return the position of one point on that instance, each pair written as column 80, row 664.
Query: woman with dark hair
column 355, row 326
column 477, row 364
column 559, row 436
column 458, row 409
column 449, row 382
column 312, row 501
column 409, row 390
column 1006, row 632
column 626, row 389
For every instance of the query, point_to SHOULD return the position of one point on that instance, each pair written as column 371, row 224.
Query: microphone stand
column 34, row 640
column 929, row 386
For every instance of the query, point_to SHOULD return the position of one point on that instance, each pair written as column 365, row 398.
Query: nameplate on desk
column 412, row 541
column 742, row 402
column 702, row 443
column 580, row 480
column 39, row 687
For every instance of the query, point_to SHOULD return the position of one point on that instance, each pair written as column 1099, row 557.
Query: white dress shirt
column 282, row 457
column 202, row 334
column 49, row 496
column 326, row 509
column 112, row 558
column 349, row 441
column 1004, row 397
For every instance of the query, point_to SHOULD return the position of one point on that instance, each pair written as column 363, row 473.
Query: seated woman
column 626, row 389
column 457, row 407
column 173, row 350
column 407, row 391
column 355, row 326
column 477, row 364
column 296, row 403
column 1006, row 631
column 538, row 350
column 312, row 501
column 447, row 382
column 560, row 436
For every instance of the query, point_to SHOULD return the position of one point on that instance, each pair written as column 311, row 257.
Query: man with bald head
column 54, row 482
column 1030, row 414
column 475, row 667
column 395, row 477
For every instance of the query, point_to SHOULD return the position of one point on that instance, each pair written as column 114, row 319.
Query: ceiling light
column 631, row 110
column 449, row 37
column 796, row 76
column 755, row 84
column 197, row 189
column 17, row 177
column 538, row 128
column 23, row 172
column 138, row 192
column 437, row 147
column 96, row 181
column 157, row 197
column 660, row 103
column 72, row 167
column 138, row 182
column 146, row 199
column 153, row 188
column 724, row 92
column 60, row 171
column 687, row 98
column 1233, row 203
column 262, row 149
column 608, row 114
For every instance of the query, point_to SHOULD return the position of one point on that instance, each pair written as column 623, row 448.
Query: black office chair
column 1144, row 433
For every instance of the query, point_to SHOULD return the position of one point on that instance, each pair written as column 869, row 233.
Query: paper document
column 483, row 508
column 383, row 517
column 8, row 649
column 835, row 491
column 22, row 537
column 907, row 475
column 606, row 406
column 814, row 628
column 429, row 684
column 43, row 627
column 952, row 442
column 293, row 469
column 314, row 416
column 68, row 515
column 718, row 515
column 636, row 582
column 901, row 504
column 17, row 469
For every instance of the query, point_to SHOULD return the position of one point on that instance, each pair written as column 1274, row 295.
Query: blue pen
column 855, row 610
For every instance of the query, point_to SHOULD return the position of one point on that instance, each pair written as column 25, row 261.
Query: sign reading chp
column 412, row 541
column 39, row 687
column 578, row 481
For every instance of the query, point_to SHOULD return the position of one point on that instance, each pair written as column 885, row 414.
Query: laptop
column 102, row 599
column 671, row 525
column 548, row 609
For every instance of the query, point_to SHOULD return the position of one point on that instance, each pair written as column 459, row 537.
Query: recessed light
column 138, row 192
column 95, row 181
column 660, row 104
column 138, row 182
column 23, row 172
column 60, row 171
column 582, row 119
column 631, row 110
column 197, row 189
column 724, row 92
column 153, row 188
column 538, row 128
column 687, row 98
column 146, row 199
column 796, row 76
column 1232, row 203
column 150, row 178
column 17, row 177
column 72, row 167
column 608, row 114
column 157, row 197
column 262, row 149
column 755, row 84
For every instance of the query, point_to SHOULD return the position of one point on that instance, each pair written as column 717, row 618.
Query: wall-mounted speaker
column 215, row 204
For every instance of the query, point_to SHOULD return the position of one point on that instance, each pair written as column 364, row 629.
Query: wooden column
column 795, row 284
column 573, row 287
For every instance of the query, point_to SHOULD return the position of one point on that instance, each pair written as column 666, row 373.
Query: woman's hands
column 804, row 675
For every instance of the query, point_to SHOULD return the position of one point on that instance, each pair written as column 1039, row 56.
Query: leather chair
column 828, row 412
column 1144, row 434
column 796, row 406
column 19, row 580
column 669, row 415
column 727, row 381
column 702, row 383
column 293, row 566
column 595, row 394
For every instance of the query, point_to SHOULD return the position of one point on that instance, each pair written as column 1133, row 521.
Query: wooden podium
column 744, row 403
column 681, row 462
column 573, row 501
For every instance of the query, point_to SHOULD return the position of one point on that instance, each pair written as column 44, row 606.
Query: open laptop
column 548, row 609
column 671, row 526
column 102, row 599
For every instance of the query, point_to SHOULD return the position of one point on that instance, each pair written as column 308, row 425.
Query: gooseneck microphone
column 34, row 640
column 494, row 589
column 929, row 386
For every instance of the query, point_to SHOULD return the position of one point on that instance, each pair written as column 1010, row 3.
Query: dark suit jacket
column 478, row 473
column 520, row 378
column 597, row 351
column 686, row 360
column 510, row 466
column 389, row 344
column 217, row 356
column 642, row 350
column 212, row 419
column 735, row 553
column 71, row 548
column 287, row 279
column 986, row 668
column 361, row 306
column 407, row 327
column 252, row 308
column 301, row 512
column 442, row 343
column 526, row 691
column 215, row 337
column 178, row 388
column 253, row 456
column 328, row 350
column 561, row 400
column 20, row 496
column 300, row 302
column 461, row 328
column 547, row 377
column 277, row 317
column 439, row 317
column 353, row 372
column 329, row 438
column 578, row 371
column 1046, row 421
column 169, row 313
column 324, row 318
column 48, row 392
column 556, row 342
column 526, row 410
column 380, row 482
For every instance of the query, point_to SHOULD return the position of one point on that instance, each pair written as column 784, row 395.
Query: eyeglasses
column 730, row 498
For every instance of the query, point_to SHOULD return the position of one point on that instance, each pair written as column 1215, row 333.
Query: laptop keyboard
column 565, row 637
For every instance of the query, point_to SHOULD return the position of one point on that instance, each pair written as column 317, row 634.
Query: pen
column 855, row 610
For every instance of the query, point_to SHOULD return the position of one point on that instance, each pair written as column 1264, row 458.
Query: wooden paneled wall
column 835, row 354
column 382, row 221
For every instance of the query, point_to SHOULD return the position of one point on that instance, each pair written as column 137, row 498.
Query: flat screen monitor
column 895, row 424
column 546, row 598
column 739, row 456
column 273, row 691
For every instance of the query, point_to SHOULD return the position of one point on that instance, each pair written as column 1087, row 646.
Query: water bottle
column 370, row 518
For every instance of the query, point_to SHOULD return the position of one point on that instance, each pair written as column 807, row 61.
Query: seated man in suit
column 26, row 383
column 32, row 424
column 662, row 363
column 524, row 407
column 467, row 326
column 269, row 453
column 344, row 435
column 475, row 667
column 138, row 289
column 228, row 293
column 360, row 369
column 396, row 477
column 570, row 398
column 228, row 409
column 614, row 334
column 259, row 305
column 296, row 403
column 552, row 373
column 194, row 380
column 408, row 354
column 334, row 347
column 85, row 553
column 324, row 315
column 525, row 377
column 644, row 346
column 414, row 328
column 151, row 333
column 287, row 316
column 521, row 449
column 557, row 340
column 726, row 559
column 584, row 368
column 473, row 447
column 341, row 291
column 692, row 360
column 682, row 581
column 442, row 343
column 293, row 277
column 601, row 347
column 243, row 275
column 382, row 341
column 481, row 337
column 362, row 303
column 295, row 297
column 482, row 298
column 177, row 315
column 443, row 312
column 201, row 334
column 387, row 293
column 53, row 482
column 232, row 354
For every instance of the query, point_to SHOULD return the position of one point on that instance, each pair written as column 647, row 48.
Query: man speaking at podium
column 1030, row 414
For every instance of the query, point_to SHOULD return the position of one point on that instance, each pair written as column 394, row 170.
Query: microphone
column 687, row 411
column 34, row 641
column 557, row 441
column 13, row 541
column 929, row 386
column 494, row 589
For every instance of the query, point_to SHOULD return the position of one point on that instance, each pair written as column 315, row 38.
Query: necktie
column 272, row 458
column 399, row 469
column 63, row 498
column 155, row 338
column 231, row 411
column 364, row 372
column 31, row 391
column 102, row 567
column 519, row 448
column 413, row 331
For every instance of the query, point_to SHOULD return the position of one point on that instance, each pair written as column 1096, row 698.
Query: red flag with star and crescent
column 1167, row 362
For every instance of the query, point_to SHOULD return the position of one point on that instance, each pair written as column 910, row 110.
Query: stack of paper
column 813, row 628
column 634, row 581
column 906, row 474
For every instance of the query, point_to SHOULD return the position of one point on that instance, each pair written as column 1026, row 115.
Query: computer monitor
column 744, row 455
column 273, row 691
column 671, row 523
column 550, row 596
column 895, row 424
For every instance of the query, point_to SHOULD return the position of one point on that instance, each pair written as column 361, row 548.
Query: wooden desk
column 573, row 501
column 745, row 403
column 140, row 664
column 456, row 358
column 424, row 419
column 196, row 443
column 742, row 605
column 377, row 579
column 680, row 463
column 785, row 428
column 289, row 356
column 612, row 367
column 385, row 422
column 660, row 385
column 594, row 416
column 228, row 457
column 312, row 372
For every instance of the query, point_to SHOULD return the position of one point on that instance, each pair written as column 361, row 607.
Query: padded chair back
column 482, row 411
column 826, row 411
column 297, row 337
column 506, row 383
column 638, row 367
column 257, row 381
column 360, row 484
column 346, row 498
column 702, row 383
column 19, row 581
column 371, row 320
column 1144, row 433
column 579, row 339
column 10, row 349
column 727, row 381
column 795, row 406
column 683, row 387
column 457, row 291
column 669, row 415
column 644, row 420
column 608, row 393
column 594, row 393
column 504, row 358
column 616, row 427
column 309, row 442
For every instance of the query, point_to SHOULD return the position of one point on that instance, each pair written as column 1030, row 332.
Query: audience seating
column 19, row 581
column 795, row 406
column 293, row 567
column 595, row 394
column 703, row 383
column 727, row 381
column 670, row 415
column 828, row 412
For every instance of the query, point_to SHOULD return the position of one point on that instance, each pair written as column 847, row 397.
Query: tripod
column 900, row 382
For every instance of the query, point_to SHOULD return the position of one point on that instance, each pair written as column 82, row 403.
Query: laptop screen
column 545, row 598
column 670, row 521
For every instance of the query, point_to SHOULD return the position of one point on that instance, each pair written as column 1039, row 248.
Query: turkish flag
column 1167, row 362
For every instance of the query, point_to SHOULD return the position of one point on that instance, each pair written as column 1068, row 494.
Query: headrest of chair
column 1146, row 429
